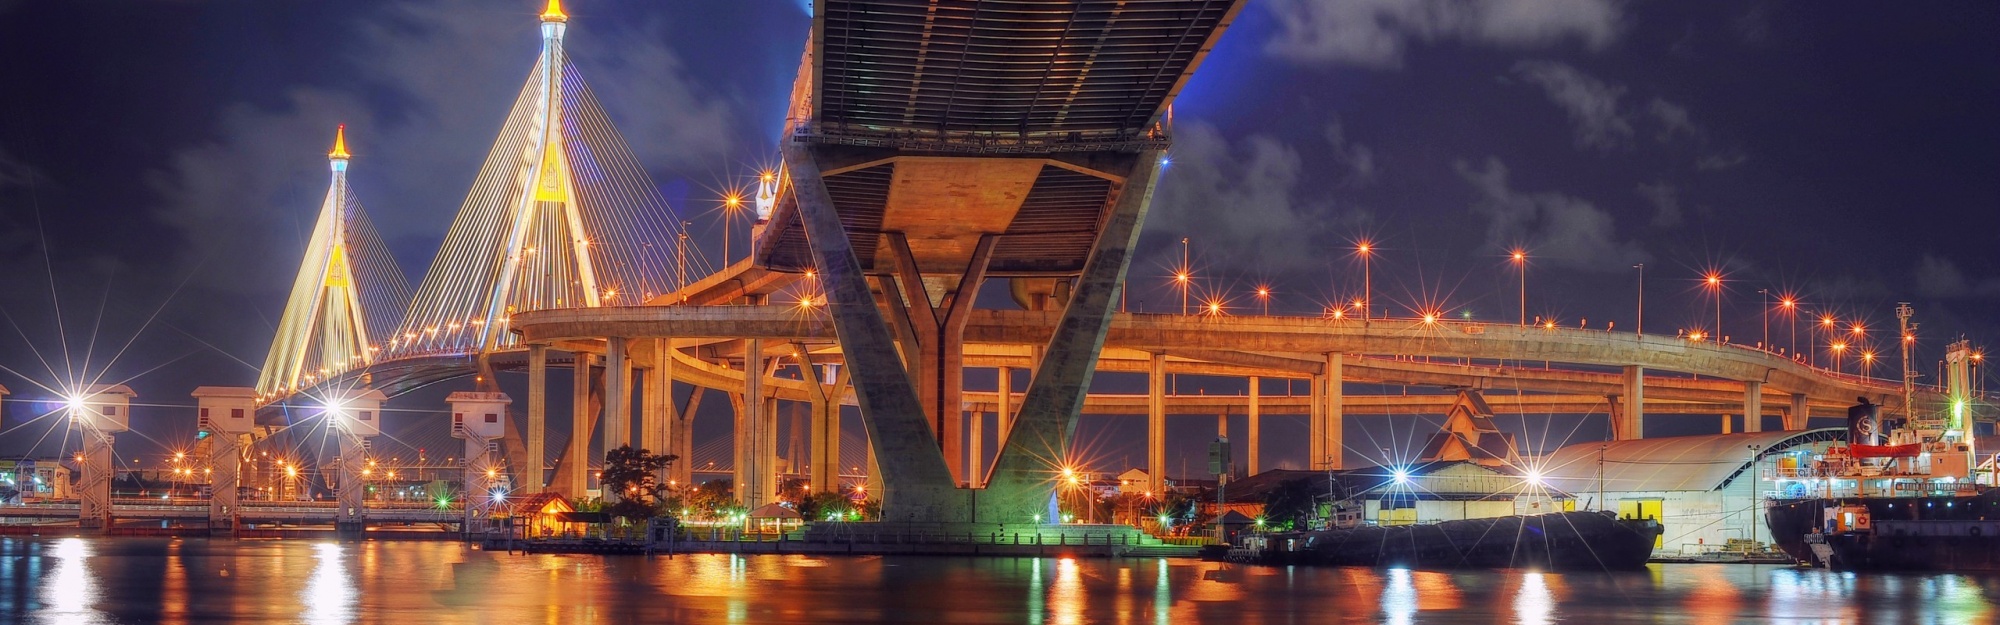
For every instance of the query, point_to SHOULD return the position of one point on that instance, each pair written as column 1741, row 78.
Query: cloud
column 1241, row 198
column 1666, row 203
column 1357, row 158
column 1939, row 278
column 1562, row 229
column 1592, row 104
column 436, row 90
column 13, row 171
column 1376, row 33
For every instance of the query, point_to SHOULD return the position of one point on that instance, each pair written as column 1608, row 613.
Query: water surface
column 130, row 580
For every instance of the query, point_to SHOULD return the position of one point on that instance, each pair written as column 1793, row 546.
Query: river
column 137, row 580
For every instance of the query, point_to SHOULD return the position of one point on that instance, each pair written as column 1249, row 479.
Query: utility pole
column 1908, row 338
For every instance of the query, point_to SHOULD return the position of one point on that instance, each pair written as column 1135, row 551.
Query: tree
column 1289, row 505
column 714, row 499
column 632, row 475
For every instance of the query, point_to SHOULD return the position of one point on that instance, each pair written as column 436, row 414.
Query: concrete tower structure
column 227, row 414
column 99, row 412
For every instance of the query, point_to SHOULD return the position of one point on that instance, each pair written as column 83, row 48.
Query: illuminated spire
column 339, row 143
column 555, row 12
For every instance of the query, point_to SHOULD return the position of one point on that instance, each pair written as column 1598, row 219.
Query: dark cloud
column 1592, row 104
column 1375, row 33
column 1940, row 278
column 1243, row 198
column 1358, row 159
column 1666, row 203
column 1562, row 229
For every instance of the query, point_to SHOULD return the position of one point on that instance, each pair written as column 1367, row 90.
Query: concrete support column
column 226, row 415
column 1753, row 406
column 1255, row 439
column 582, row 421
column 534, row 475
column 617, row 394
column 1004, row 410
column 682, row 440
column 1795, row 419
column 657, row 412
column 918, row 483
column 753, row 470
column 478, row 417
column 1631, row 420
column 1156, row 425
column 1328, row 444
column 825, row 428
column 1020, row 485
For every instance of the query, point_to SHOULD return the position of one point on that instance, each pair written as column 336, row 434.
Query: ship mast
column 1909, row 342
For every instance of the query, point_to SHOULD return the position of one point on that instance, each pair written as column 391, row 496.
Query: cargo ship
column 1909, row 495
column 1556, row 541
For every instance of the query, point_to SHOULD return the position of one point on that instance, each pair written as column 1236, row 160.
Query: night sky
column 160, row 163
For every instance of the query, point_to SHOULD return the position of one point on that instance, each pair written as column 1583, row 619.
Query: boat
column 1596, row 540
column 1914, row 498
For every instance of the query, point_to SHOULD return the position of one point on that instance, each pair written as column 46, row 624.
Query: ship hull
column 1567, row 541
column 1907, row 533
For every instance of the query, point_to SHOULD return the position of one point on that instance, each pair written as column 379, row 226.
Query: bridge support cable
column 562, row 215
column 1039, row 440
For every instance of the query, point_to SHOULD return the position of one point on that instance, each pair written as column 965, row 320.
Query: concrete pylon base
column 350, row 529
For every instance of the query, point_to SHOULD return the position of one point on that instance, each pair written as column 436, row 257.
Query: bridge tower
column 99, row 412
column 562, row 215
column 352, row 417
column 227, row 414
column 476, row 417
column 345, row 299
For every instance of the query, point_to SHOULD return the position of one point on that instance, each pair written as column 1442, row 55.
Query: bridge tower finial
column 339, row 154
column 554, row 12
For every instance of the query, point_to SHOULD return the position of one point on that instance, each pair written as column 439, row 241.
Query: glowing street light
column 1867, row 362
column 1264, row 295
column 1713, row 280
column 1838, row 350
column 731, row 203
column 1365, row 249
column 1791, row 308
column 1521, row 263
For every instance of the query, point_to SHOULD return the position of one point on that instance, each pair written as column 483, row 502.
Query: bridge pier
column 617, row 396
column 756, row 432
column 1328, row 446
column 353, row 418
column 477, row 418
column 1254, row 440
column 1753, row 406
column 1795, row 418
column 656, row 416
column 828, row 387
column 226, row 413
column 681, row 440
column 573, row 472
column 1629, row 416
column 1156, row 425
column 534, row 476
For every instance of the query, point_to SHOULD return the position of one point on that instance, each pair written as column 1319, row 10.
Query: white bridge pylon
column 562, row 215
column 346, row 297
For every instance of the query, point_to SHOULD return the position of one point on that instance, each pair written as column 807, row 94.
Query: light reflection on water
column 92, row 580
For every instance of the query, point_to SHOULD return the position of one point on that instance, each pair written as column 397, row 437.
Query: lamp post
column 1825, row 323
column 1714, row 282
column 1521, row 262
column 1181, row 276
column 1641, row 329
column 1753, row 504
column 1838, row 349
column 1264, row 295
column 1766, row 314
column 1365, row 249
column 1791, row 322
column 730, row 203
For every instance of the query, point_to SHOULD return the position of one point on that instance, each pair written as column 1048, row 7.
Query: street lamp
column 1825, row 323
column 1365, row 249
column 1183, row 275
column 1521, row 263
column 1867, row 362
column 1766, row 315
column 1641, row 329
column 1264, row 296
column 1838, row 349
column 1791, row 307
column 731, row 202
column 1714, row 282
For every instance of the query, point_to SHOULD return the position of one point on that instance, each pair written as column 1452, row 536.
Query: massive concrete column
column 1156, row 425
column 917, row 482
column 1042, row 432
column 657, row 413
column 535, row 474
column 617, row 394
column 753, row 476
column 1631, row 419
column 1753, row 406
column 937, row 322
column 1255, row 439
column 576, row 469
column 682, row 439
column 825, row 473
column 1328, row 441
column 1795, row 419
column 1004, row 409
column 226, row 414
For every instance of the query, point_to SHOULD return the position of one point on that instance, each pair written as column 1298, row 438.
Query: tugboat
column 1917, row 499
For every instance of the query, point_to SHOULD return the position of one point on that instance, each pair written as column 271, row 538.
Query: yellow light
column 1181, row 277
column 732, row 200
column 1839, row 347
column 1363, row 248
column 1909, row 337
column 1858, row 330
column 1263, row 291
column 1430, row 318
column 339, row 143
column 1551, row 325
column 1868, row 356
column 1520, row 256
column 1714, row 279
column 492, row 473
column 1826, row 321
column 555, row 12
column 1788, row 303
column 1338, row 313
